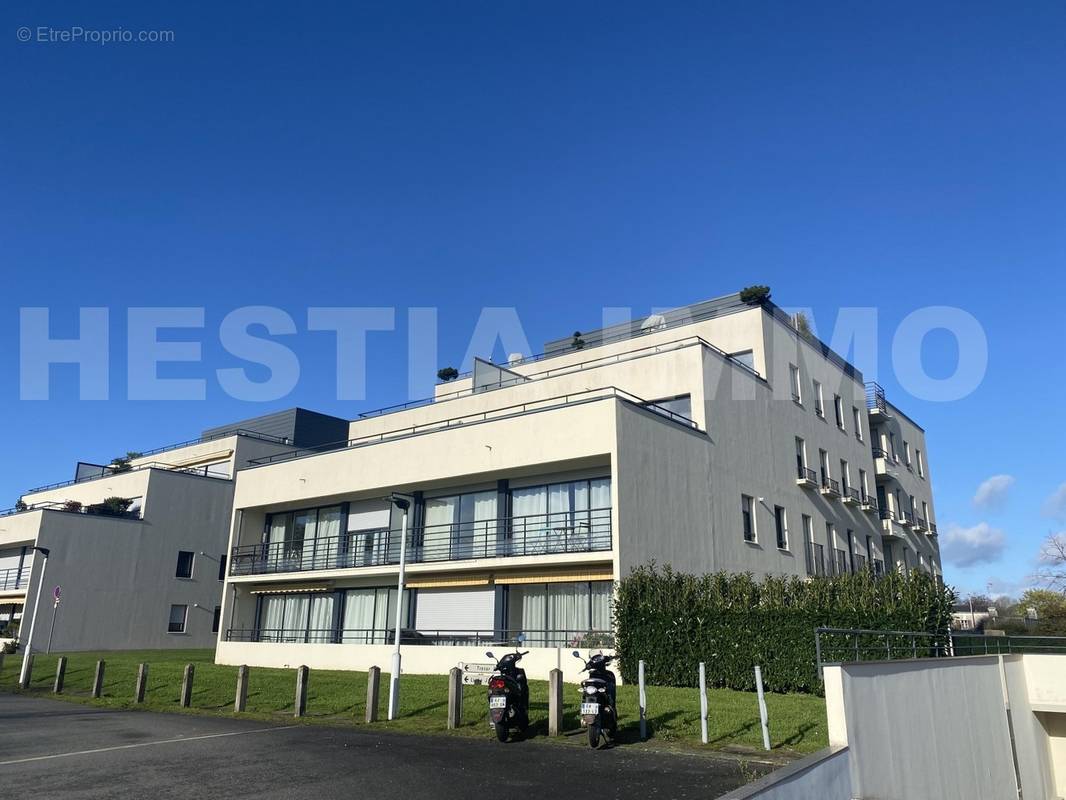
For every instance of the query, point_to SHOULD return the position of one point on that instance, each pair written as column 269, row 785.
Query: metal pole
column 643, row 701
column 762, row 709
column 24, row 675
column 703, row 702
column 52, row 627
column 394, row 679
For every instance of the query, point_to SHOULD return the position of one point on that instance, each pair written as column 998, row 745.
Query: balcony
column 852, row 496
column 932, row 529
column 830, row 487
column 513, row 537
column 14, row 579
column 869, row 503
column 908, row 520
column 806, row 477
column 876, row 405
column 440, row 638
column 919, row 523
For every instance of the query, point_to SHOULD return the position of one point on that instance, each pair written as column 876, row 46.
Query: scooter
column 508, row 696
column 598, row 711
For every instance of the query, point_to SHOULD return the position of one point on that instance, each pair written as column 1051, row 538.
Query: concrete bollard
column 555, row 702
column 373, row 692
column 61, row 674
column 240, row 703
column 301, row 691
column 186, row 686
column 98, row 680
column 455, row 698
column 25, row 683
column 142, row 683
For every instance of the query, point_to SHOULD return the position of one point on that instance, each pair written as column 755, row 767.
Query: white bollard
column 703, row 702
column 762, row 709
column 643, row 702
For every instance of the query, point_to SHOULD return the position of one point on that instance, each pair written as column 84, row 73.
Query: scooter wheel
column 594, row 736
column 501, row 731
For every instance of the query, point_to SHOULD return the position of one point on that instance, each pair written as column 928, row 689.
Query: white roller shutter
column 455, row 609
column 368, row 515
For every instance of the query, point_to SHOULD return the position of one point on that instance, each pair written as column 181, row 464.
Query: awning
column 12, row 601
column 591, row 574
column 298, row 588
column 443, row 582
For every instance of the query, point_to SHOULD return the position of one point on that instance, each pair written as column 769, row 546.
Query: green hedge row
column 732, row 622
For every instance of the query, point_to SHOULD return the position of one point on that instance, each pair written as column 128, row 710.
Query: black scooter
column 508, row 696
column 598, row 711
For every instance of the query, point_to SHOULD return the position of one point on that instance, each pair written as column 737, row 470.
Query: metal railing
column 14, row 578
column 853, row 493
column 815, row 559
column 886, row 513
column 446, row 637
column 880, row 452
column 512, row 537
column 504, row 412
column 806, row 474
column 73, row 507
column 841, row 645
column 110, row 473
column 875, row 398
column 932, row 528
column 908, row 517
column 831, row 485
column 840, row 562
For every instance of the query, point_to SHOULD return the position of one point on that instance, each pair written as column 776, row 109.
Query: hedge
column 732, row 622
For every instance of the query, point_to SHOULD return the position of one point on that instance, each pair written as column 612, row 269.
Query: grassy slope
column 797, row 722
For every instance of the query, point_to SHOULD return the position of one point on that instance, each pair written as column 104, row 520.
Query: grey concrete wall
column 118, row 575
column 824, row 775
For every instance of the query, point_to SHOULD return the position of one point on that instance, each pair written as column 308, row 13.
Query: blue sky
column 554, row 158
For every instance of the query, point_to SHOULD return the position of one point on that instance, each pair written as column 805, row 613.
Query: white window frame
column 819, row 400
column 858, row 423
column 838, row 410
column 747, row 504
column 794, row 377
column 184, row 618
column 784, row 528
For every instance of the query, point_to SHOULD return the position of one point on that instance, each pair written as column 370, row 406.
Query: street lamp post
column 403, row 504
column 24, row 675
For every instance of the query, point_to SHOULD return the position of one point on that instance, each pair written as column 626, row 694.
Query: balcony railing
column 840, row 561
column 875, row 398
column 806, row 475
column 830, row 486
column 886, row 513
column 880, row 452
column 107, row 472
column 852, row 495
column 932, row 528
column 13, row 578
column 908, row 518
column 534, row 535
column 446, row 637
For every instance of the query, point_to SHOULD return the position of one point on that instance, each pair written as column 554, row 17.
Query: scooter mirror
column 490, row 655
column 577, row 654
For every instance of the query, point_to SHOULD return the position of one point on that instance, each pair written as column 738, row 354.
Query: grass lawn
column 797, row 722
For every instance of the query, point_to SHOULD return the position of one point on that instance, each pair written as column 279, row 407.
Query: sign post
column 56, row 594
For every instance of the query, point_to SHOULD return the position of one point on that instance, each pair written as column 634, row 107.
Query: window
column 178, row 617
column 296, row 617
column 369, row 614
column 216, row 619
column 307, row 539
column 845, row 476
column 747, row 510
column 864, row 489
column 781, row 523
column 892, row 447
column 554, row 614
column 819, row 409
column 794, row 375
column 184, row 570
column 823, row 462
column 907, row 453
column 222, row 567
column 857, row 422
column 838, row 408
column 925, row 513
column 460, row 526
column 745, row 357
column 558, row 517
column 801, row 458
column 921, row 464
column 682, row 404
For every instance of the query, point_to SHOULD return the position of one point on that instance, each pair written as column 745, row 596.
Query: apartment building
column 138, row 549
column 713, row 437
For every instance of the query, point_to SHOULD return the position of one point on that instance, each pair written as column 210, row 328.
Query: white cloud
column 964, row 547
column 992, row 493
column 1055, row 505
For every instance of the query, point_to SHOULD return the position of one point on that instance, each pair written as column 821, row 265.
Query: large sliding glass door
column 574, row 516
column 459, row 527
column 299, row 617
column 305, row 539
column 561, row 614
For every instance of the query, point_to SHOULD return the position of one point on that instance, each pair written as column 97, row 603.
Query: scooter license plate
column 590, row 709
column 498, row 701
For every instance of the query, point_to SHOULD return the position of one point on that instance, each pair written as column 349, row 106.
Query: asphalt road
column 52, row 749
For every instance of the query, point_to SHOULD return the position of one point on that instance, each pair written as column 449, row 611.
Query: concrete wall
column 824, row 775
column 951, row 728
column 118, row 575
column 429, row 660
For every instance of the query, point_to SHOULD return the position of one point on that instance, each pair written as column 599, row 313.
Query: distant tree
column 122, row 463
column 447, row 374
column 1047, row 603
column 20, row 505
column 1052, row 571
column 803, row 325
